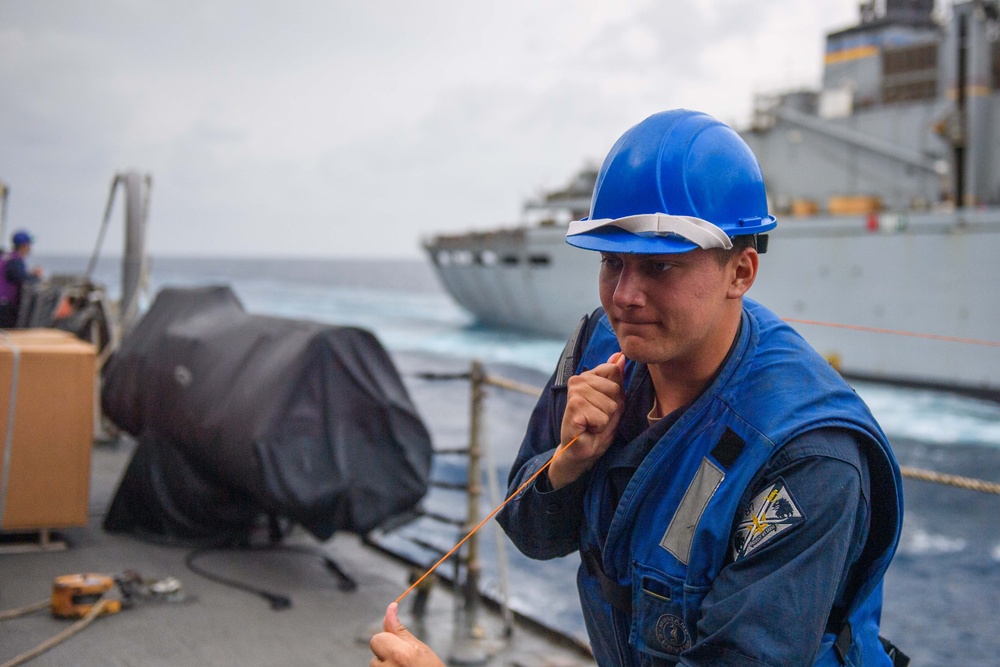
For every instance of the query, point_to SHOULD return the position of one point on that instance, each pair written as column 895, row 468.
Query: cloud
column 354, row 129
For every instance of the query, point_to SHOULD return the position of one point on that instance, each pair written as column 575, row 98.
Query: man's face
column 668, row 308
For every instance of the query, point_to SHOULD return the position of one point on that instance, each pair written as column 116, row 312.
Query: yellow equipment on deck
column 74, row 595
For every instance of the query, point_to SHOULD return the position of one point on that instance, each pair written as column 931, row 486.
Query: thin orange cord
column 855, row 327
column 483, row 522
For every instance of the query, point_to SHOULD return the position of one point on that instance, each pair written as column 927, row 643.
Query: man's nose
column 630, row 290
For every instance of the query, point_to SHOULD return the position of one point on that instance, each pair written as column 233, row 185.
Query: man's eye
column 660, row 267
column 610, row 261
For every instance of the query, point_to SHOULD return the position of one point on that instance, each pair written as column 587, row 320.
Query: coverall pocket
column 659, row 632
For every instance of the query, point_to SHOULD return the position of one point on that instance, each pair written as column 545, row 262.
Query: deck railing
column 466, row 579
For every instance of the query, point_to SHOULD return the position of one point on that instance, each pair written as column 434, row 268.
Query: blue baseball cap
column 21, row 237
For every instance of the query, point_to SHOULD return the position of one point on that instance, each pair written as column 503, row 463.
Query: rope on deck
column 60, row 637
column 951, row 480
column 25, row 610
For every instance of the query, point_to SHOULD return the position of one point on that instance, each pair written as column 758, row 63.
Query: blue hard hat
column 677, row 181
column 21, row 237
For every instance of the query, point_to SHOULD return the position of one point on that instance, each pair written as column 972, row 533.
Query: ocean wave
column 934, row 417
column 919, row 542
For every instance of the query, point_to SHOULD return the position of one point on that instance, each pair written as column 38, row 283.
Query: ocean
column 942, row 591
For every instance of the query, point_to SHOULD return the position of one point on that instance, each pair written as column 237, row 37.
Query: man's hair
column 740, row 242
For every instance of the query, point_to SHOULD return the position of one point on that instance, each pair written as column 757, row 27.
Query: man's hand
column 396, row 647
column 594, row 404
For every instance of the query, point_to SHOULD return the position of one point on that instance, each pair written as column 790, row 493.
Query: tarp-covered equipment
column 240, row 415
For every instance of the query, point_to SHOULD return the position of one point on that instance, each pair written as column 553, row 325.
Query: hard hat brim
column 615, row 239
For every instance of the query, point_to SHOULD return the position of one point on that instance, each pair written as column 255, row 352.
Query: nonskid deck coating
column 219, row 625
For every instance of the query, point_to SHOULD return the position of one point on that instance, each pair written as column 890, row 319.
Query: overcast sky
column 335, row 129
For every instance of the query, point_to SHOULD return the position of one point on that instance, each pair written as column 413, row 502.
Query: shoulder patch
column 772, row 512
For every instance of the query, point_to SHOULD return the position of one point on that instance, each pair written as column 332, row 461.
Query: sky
column 356, row 129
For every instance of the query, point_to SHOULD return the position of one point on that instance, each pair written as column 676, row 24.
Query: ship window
column 509, row 260
column 461, row 257
column 909, row 59
column 486, row 258
column 908, row 92
column 539, row 260
column 909, row 73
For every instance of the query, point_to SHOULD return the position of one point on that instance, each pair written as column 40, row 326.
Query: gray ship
column 886, row 183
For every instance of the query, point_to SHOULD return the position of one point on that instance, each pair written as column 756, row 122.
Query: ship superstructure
column 904, row 121
column 886, row 183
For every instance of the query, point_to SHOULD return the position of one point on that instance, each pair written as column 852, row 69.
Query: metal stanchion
column 467, row 648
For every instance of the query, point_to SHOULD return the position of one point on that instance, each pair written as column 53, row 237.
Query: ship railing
column 469, row 647
column 467, row 565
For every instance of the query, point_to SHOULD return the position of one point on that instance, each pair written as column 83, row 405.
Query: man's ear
column 742, row 272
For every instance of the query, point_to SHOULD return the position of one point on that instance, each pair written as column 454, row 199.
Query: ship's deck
column 941, row 592
column 219, row 625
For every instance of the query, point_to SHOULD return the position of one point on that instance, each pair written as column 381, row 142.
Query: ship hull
column 527, row 279
column 902, row 299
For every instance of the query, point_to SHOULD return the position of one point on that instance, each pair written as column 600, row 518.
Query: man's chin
column 636, row 350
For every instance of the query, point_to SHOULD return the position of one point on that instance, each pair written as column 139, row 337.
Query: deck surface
column 219, row 625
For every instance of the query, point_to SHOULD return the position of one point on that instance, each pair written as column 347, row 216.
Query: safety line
column 488, row 517
column 969, row 483
column 896, row 332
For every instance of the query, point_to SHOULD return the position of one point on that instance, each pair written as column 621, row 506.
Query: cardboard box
column 47, row 381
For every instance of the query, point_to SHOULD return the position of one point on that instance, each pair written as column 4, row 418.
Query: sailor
column 732, row 499
column 13, row 274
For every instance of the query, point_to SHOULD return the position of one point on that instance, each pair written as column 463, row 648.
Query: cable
column 277, row 601
column 895, row 332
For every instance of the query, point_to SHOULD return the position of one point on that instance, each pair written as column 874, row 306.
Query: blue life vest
column 667, row 539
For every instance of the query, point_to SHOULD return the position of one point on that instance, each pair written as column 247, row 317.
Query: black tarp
column 239, row 416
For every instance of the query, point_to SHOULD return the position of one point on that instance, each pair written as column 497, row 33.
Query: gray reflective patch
column 680, row 533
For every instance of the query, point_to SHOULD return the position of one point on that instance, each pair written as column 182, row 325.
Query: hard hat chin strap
column 702, row 233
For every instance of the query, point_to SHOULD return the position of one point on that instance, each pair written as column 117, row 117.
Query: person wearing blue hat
column 14, row 274
column 733, row 500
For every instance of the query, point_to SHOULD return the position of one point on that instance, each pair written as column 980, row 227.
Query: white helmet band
column 702, row 233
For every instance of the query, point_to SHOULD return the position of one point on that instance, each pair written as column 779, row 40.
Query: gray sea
column 942, row 602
